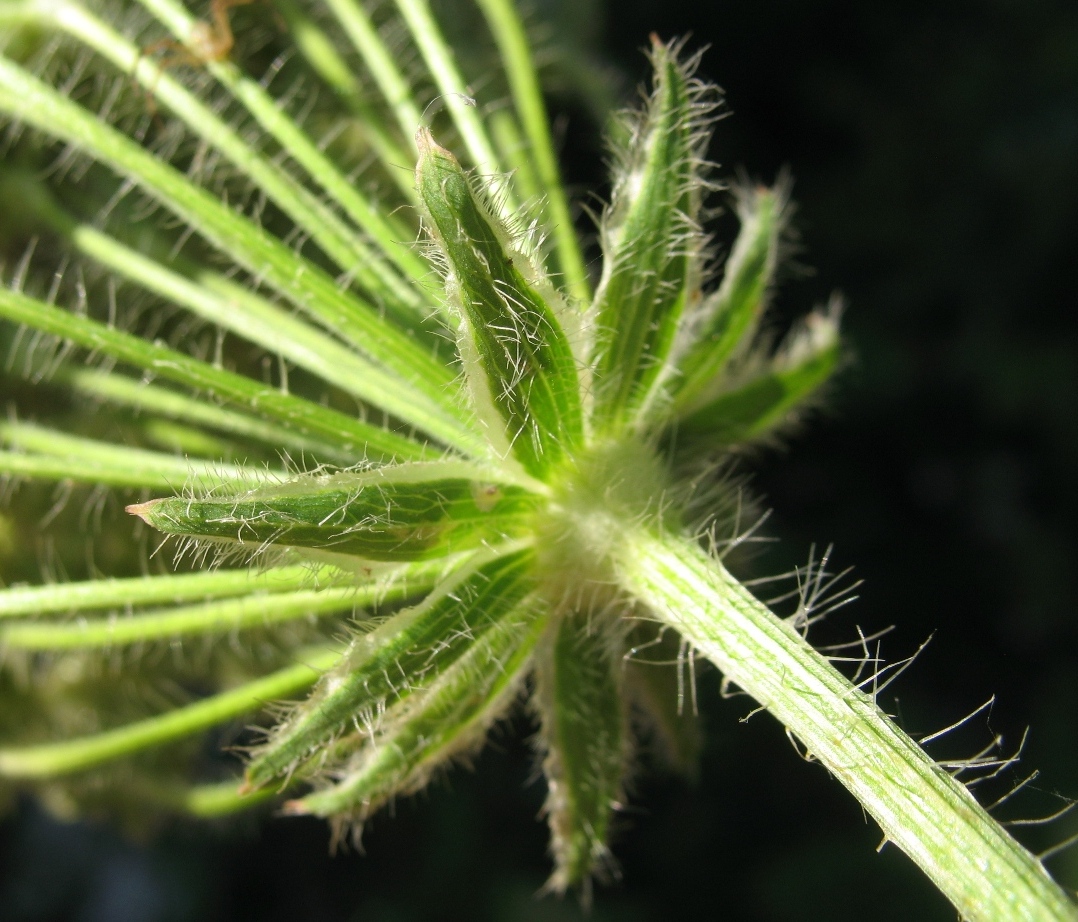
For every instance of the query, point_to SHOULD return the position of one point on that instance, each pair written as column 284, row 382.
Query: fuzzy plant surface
column 418, row 456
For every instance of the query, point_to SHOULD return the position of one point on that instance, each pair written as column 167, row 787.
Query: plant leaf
column 450, row 716
column 756, row 403
column 579, row 677
column 727, row 320
column 409, row 650
column 406, row 512
column 651, row 244
column 521, row 360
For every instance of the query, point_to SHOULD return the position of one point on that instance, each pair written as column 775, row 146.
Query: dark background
column 934, row 147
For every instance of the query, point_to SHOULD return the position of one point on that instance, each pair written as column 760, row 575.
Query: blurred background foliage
column 934, row 147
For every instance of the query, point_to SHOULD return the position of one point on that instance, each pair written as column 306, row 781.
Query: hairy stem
column 985, row 873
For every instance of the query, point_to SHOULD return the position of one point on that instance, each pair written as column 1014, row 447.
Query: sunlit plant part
column 463, row 477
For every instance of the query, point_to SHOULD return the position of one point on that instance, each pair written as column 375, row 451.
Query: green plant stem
column 528, row 98
column 159, row 589
column 55, row 455
column 293, row 139
column 985, row 873
column 439, row 58
column 51, row 759
column 246, row 612
column 423, row 389
column 214, row 297
column 205, row 619
column 153, row 399
column 353, row 436
column 209, row 801
column 356, row 24
column 317, row 48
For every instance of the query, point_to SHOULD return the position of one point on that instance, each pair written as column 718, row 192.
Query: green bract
column 434, row 479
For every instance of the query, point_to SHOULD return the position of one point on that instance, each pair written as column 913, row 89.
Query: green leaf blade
column 728, row 319
column 448, row 718
column 390, row 662
column 759, row 403
column 651, row 245
column 404, row 513
column 584, row 731
column 527, row 365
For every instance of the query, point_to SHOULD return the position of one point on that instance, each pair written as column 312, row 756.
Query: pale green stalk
column 357, row 26
column 209, row 801
column 385, row 232
column 322, row 223
column 57, row 455
column 929, row 815
column 150, row 398
column 528, row 100
column 334, row 235
column 236, row 308
column 457, row 99
column 505, row 132
column 350, row 435
column 86, row 752
column 251, row 611
column 149, row 590
column 24, row 97
column 315, row 45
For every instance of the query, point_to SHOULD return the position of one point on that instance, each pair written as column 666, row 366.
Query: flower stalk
column 920, row 807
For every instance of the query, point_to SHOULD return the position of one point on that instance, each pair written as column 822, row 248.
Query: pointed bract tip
column 294, row 808
column 427, row 146
column 142, row 510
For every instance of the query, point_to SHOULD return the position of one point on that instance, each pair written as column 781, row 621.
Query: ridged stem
column 977, row 865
